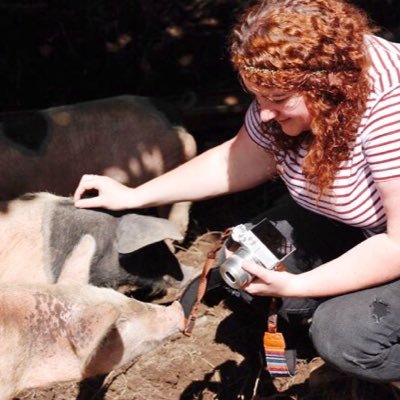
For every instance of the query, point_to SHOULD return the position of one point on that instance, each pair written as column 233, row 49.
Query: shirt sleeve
column 254, row 128
column 382, row 137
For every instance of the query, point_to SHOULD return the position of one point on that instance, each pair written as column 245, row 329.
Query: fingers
column 260, row 284
column 256, row 270
column 256, row 288
column 272, row 283
column 97, row 191
column 93, row 202
column 87, row 182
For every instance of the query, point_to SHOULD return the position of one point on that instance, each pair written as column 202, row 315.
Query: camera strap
column 195, row 291
column 279, row 362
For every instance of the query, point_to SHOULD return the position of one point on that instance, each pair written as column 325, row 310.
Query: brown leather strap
column 202, row 288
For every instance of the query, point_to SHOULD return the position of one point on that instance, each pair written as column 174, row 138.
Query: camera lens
column 231, row 269
column 230, row 277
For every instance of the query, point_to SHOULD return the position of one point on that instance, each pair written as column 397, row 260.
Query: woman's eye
column 275, row 101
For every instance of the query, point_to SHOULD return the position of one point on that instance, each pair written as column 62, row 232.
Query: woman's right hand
column 110, row 193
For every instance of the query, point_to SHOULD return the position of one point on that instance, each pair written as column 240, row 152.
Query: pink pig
column 71, row 330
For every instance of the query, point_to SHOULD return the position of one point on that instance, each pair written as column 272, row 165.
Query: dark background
column 54, row 52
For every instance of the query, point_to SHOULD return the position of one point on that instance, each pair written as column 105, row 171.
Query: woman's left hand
column 269, row 283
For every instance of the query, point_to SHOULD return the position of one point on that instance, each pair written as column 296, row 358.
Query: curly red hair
column 315, row 47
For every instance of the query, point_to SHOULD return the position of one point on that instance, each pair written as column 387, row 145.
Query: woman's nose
column 267, row 113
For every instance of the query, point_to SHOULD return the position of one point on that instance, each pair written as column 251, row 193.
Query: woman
column 326, row 118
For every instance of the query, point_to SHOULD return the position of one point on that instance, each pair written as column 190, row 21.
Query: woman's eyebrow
column 256, row 93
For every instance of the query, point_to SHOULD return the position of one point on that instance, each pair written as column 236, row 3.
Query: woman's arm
column 372, row 262
column 235, row 165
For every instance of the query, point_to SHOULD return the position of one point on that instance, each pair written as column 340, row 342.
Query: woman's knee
column 327, row 333
column 354, row 340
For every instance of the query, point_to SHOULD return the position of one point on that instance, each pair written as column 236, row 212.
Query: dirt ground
column 221, row 360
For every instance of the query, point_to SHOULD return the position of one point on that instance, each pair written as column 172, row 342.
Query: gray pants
column 359, row 332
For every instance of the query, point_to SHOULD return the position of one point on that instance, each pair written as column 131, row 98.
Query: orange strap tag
column 275, row 355
column 275, row 346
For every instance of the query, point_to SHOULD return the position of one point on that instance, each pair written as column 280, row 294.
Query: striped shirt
column 353, row 197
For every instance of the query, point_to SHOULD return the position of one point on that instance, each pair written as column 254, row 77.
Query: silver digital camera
column 262, row 243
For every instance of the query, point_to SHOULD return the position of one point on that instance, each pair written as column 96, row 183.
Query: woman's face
column 287, row 108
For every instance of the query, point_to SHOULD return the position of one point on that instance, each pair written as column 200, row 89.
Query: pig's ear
column 76, row 268
column 87, row 329
column 136, row 231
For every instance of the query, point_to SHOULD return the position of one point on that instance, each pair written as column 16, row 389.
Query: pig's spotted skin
column 71, row 330
column 41, row 231
column 128, row 137
column 49, row 322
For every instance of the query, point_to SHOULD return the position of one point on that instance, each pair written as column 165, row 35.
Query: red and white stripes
column 353, row 198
